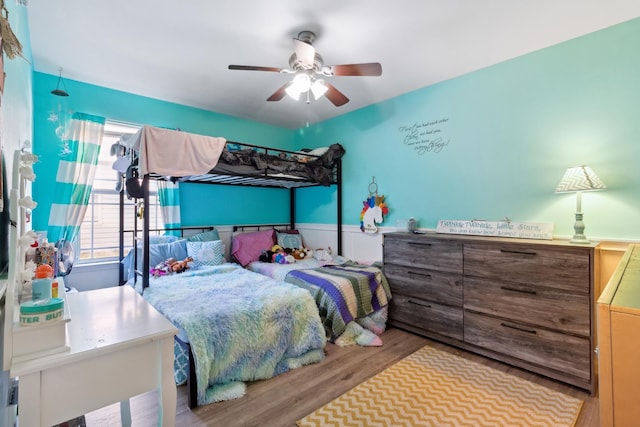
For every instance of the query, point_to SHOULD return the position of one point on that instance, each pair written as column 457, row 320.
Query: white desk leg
column 29, row 400
column 167, row 392
column 125, row 413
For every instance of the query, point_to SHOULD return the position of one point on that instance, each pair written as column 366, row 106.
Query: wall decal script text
column 425, row 137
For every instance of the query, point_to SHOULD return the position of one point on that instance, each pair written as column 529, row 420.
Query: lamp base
column 580, row 239
column 578, row 227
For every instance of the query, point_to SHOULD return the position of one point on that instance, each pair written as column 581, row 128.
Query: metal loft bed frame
column 229, row 178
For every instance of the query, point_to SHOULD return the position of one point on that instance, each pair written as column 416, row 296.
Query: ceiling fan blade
column 253, row 68
column 278, row 94
column 367, row 69
column 305, row 53
column 336, row 97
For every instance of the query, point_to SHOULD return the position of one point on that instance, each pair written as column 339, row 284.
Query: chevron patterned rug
column 434, row 388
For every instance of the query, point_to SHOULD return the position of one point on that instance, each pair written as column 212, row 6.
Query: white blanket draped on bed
column 242, row 326
column 175, row 153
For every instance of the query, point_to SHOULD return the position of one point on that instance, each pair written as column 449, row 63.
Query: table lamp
column 578, row 179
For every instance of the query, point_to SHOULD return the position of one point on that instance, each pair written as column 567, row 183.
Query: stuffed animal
column 299, row 254
column 277, row 254
column 163, row 268
column 180, row 266
column 266, row 256
column 169, row 266
column 323, row 254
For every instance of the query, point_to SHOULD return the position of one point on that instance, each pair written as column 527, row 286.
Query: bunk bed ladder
column 145, row 233
column 121, row 280
column 339, row 203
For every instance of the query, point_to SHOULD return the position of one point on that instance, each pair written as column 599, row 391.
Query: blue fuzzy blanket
column 242, row 326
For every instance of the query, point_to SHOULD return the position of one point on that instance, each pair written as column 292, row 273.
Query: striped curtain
column 74, row 179
column 169, row 198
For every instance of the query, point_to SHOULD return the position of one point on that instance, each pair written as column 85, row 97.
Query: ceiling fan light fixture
column 318, row 88
column 293, row 92
column 307, row 66
column 302, row 82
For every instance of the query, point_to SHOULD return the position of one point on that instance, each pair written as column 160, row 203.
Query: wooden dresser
column 619, row 348
column 525, row 302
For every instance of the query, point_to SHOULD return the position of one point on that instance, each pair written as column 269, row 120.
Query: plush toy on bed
column 163, row 268
column 180, row 266
column 323, row 254
column 278, row 255
column 169, row 266
column 300, row 253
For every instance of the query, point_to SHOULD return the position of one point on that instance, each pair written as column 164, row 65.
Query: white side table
column 119, row 347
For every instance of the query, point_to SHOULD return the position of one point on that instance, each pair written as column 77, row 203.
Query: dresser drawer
column 422, row 252
column 546, row 307
column 564, row 353
column 560, row 268
column 445, row 288
column 428, row 316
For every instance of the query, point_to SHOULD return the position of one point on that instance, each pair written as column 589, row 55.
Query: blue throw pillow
column 289, row 240
column 205, row 236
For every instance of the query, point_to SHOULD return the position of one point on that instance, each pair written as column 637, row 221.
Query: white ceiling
column 179, row 51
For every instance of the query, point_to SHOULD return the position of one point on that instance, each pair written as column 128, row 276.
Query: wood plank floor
column 282, row 400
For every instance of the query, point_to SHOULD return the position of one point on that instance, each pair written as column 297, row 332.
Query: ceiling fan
column 308, row 68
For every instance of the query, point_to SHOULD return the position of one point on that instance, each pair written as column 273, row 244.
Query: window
column 99, row 237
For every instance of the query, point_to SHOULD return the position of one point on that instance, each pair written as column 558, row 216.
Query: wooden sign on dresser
column 525, row 302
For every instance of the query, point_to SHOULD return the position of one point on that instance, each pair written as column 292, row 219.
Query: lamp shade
column 580, row 178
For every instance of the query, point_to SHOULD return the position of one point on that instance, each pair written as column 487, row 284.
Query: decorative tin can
column 33, row 313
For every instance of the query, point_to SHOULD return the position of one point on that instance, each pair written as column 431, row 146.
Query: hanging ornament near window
column 11, row 46
column 59, row 115
column 374, row 209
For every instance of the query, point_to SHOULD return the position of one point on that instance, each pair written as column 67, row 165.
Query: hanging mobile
column 374, row 209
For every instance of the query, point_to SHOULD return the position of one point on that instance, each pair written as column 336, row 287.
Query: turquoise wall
column 485, row 145
column 17, row 123
column 496, row 142
column 201, row 205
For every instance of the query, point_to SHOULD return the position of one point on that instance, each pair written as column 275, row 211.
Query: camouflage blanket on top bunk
column 250, row 161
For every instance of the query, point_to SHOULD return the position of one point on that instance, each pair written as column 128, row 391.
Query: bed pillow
column 162, row 252
column 206, row 253
column 158, row 253
column 247, row 247
column 205, row 236
column 289, row 239
column 127, row 261
column 155, row 240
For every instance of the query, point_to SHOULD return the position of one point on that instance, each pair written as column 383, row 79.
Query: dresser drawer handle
column 522, row 291
column 507, row 251
column 415, row 273
column 519, row 328
column 420, row 244
column 422, row 304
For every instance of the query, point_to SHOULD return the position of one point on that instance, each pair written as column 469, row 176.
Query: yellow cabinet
column 618, row 320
